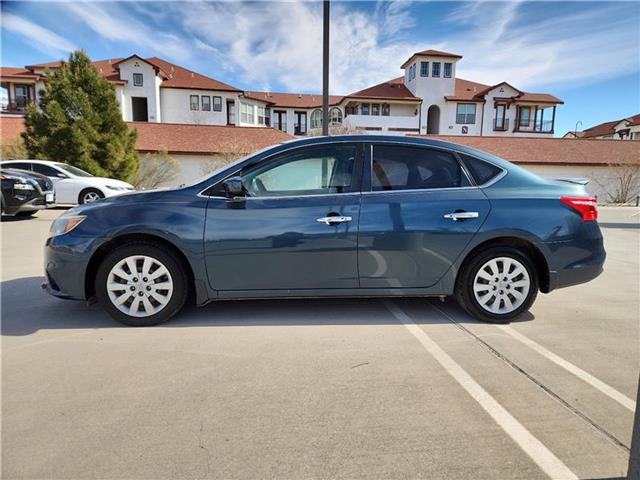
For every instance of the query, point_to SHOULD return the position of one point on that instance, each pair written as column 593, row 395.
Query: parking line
column 570, row 367
column 536, row 450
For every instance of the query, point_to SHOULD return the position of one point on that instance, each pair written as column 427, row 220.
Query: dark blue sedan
column 352, row 216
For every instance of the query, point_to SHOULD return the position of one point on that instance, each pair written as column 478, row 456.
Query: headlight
column 22, row 186
column 113, row 187
column 65, row 224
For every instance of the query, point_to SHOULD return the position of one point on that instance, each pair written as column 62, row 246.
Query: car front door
column 296, row 228
column 418, row 213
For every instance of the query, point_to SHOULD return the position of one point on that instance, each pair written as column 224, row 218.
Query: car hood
column 103, row 181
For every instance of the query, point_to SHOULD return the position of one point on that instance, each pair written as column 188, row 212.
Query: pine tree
column 79, row 122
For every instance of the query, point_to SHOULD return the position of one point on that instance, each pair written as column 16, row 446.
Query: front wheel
column 141, row 284
column 89, row 195
column 497, row 285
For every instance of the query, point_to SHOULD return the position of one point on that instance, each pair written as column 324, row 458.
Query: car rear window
column 480, row 170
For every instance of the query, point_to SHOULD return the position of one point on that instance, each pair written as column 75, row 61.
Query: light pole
column 325, row 67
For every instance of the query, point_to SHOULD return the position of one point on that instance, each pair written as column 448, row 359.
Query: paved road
column 344, row 388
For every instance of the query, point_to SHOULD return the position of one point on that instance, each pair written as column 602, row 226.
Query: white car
column 71, row 184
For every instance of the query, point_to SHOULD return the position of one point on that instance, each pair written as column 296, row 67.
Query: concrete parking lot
column 402, row 388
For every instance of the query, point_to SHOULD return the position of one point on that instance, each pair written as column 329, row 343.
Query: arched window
column 316, row 119
column 335, row 116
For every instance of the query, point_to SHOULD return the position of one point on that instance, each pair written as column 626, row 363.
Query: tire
column 27, row 214
column 171, row 300
column 513, row 297
column 89, row 195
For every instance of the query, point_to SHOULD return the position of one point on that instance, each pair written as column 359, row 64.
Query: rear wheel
column 89, row 195
column 141, row 284
column 497, row 285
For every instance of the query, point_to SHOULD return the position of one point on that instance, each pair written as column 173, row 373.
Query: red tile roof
column 633, row 121
column 293, row 100
column 390, row 90
column 467, row 90
column 537, row 98
column 431, row 53
column 174, row 75
column 17, row 73
column 551, row 151
column 605, row 128
column 204, row 139
column 181, row 138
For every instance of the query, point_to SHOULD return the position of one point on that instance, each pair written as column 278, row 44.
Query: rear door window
column 397, row 167
column 481, row 171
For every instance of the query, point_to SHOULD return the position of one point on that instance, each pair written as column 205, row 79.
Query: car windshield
column 73, row 170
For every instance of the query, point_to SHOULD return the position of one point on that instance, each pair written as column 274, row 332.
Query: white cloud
column 115, row 22
column 547, row 46
column 39, row 37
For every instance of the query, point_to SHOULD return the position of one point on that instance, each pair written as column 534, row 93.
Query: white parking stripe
column 535, row 449
column 570, row 367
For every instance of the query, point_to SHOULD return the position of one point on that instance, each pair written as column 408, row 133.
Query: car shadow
column 26, row 308
column 618, row 225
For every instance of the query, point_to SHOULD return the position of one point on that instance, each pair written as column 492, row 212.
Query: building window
column 137, row 80
column 364, row 109
column 447, row 70
column 435, row 69
column 246, row 113
column 466, row 113
column 424, row 69
column 375, row 109
column 193, row 102
column 206, row 103
column 335, row 116
column 525, row 117
column 217, row 104
column 316, row 119
column 263, row 115
column 386, row 109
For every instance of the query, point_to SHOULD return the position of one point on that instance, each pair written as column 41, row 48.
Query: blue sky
column 587, row 53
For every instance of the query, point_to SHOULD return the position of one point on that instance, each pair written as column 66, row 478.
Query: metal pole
column 325, row 68
column 575, row 132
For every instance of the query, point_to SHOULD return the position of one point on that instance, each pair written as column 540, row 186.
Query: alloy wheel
column 90, row 197
column 501, row 285
column 139, row 286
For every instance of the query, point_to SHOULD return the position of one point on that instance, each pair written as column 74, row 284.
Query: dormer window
column 424, row 69
column 435, row 69
column 137, row 80
column 447, row 70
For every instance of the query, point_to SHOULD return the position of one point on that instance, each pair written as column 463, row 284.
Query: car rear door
column 296, row 230
column 419, row 211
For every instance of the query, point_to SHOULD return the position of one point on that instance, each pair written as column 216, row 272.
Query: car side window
column 397, row 167
column 481, row 171
column 45, row 170
column 18, row 165
column 312, row 171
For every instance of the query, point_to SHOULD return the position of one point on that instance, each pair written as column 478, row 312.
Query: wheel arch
column 84, row 188
column 103, row 250
column 526, row 246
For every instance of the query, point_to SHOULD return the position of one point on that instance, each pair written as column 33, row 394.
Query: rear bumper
column 583, row 261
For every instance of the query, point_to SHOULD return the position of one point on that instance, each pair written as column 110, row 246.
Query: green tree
column 79, row 122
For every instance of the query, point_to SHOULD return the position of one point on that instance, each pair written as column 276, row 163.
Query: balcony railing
column 387, row 122
column 500, row 124
column 15, row 107
column 543, row 127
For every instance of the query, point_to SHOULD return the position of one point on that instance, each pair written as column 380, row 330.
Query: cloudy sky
column 587, row 53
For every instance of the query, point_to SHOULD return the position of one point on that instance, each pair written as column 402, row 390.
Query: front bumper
column 66, row 259
column 46, row 200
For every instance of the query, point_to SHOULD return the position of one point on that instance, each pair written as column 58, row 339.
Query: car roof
column 30, row 160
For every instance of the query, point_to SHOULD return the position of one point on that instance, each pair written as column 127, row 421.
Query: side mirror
column 61, row 175
column 233, row 187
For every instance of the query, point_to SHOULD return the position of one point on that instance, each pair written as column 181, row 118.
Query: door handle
column 455, row 216
column 334, row 219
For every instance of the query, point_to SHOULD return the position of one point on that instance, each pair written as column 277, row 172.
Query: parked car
column 72, row 185
column 363, row 216
column 24, row 193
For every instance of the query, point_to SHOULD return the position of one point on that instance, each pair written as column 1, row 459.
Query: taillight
column 586, row 206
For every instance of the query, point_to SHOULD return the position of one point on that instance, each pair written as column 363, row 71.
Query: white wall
column 176, row 106
column 150, row 88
